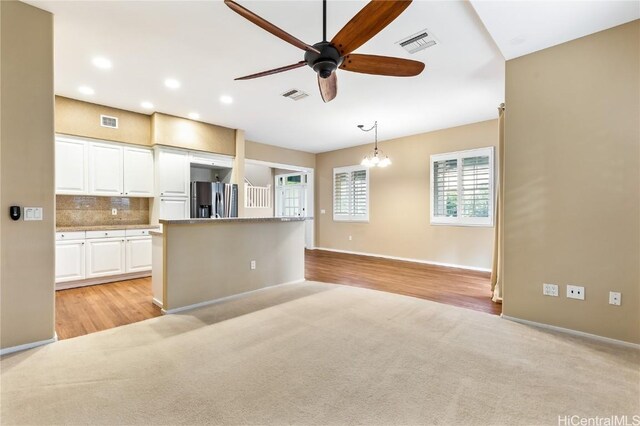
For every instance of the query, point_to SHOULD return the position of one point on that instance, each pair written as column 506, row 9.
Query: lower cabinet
column 70, row 262
column 101, row 255
column 105, row 257
column 138, row 254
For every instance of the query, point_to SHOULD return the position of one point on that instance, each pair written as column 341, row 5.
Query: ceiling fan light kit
column 326, row 57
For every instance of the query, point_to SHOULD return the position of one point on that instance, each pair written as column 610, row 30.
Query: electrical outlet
column 575, row 292
column 550, row 289
column 322, row 211
column 114, row 212
column 253, row 264
column 350, row 238
column 615, row 298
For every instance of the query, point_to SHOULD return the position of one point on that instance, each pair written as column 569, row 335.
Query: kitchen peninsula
column 198, row 261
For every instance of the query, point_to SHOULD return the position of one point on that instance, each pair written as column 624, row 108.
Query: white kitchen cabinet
column 71, row 166
column 70, row 260
column 138, row 254
column 138, row 172
column 105, row 169
column 105, row 256
column 172, row 173
column 174, row 208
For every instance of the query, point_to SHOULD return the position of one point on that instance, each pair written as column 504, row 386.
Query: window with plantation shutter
column 351, row 193
column 462, row 188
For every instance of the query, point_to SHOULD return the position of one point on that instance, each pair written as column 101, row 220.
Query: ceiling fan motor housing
column 326, row 62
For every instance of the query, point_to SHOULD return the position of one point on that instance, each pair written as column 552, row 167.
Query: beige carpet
column 320, row 354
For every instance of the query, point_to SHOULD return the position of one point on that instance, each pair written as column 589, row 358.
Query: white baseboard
column 102, row 280
column 157, row 302
column 225, row 299
column 574, row 332
column 407, row 259
column 26, row 346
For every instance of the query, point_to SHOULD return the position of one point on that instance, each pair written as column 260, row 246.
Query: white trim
column 408, row 259
column 26, row 346
column 574, row 332
column 157, row 302
column 279, row 165
column 224, row 299
column 102, row 280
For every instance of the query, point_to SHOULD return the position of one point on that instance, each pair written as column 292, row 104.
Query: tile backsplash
column 84, row 210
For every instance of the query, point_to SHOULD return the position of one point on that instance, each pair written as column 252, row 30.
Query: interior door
column 292, row 200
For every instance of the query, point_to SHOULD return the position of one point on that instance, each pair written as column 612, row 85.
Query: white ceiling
column 522, row 27
column 205, row 45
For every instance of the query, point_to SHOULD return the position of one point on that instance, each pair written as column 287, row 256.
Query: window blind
column 351, row 193
column 462, row 187
column 445, row 191
column 475, row 186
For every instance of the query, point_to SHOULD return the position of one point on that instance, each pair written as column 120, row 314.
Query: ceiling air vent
column 418, row 41
column 111, row 122
column 295, row 94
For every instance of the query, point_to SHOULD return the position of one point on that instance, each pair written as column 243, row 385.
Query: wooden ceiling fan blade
column 367, row 23
column 381, row 65
column 328, row 87
column 273, row 71
column 268, row 26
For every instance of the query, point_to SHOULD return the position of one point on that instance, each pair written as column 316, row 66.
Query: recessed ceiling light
column 194, row 115
column 86, row 90
column 147, row 105
column 172, row 83
column 225, row 99
column 102, row 63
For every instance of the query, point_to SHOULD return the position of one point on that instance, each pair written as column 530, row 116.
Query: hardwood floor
column 86, row 310
column 459, row 287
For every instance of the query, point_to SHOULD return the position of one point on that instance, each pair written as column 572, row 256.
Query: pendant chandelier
column 377, row 158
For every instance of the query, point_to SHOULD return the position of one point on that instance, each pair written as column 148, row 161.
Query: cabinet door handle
column 83, row 243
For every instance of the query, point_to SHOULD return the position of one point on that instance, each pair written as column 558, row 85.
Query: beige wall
column 26, row 174
column 399, row 201
column 79, row 118
column 572, row 202
column 275, row 154
column 229, row 247
column 179, row 132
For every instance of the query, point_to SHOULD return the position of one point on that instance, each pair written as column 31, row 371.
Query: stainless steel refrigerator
column 214, row 200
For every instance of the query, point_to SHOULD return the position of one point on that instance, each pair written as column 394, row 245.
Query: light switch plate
column 550, row 289
column 322, row 211
column 33, row 213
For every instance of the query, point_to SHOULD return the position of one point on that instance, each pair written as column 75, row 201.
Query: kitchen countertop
column 232, row 220
column 102, row 227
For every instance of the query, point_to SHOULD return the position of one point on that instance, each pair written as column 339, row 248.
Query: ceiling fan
column 326, row 57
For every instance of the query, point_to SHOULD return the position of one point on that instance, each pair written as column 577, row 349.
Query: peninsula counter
column 199, row 261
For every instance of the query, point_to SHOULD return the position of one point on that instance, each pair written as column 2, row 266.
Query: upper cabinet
column 138, row 172
column 71, row 166
column 100, row 168
column 172, row 172
column 105, row 169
